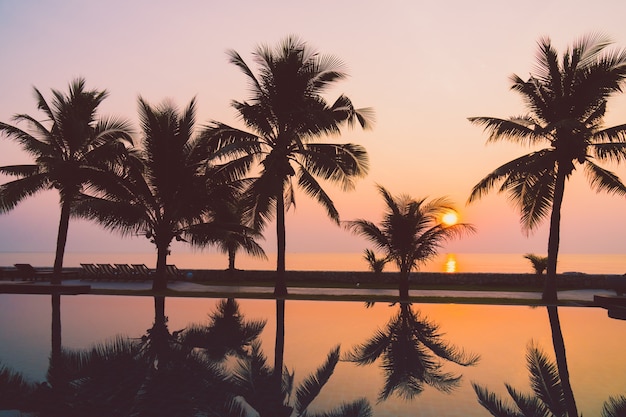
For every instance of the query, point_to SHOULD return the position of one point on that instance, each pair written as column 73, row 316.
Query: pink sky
column 424, row 68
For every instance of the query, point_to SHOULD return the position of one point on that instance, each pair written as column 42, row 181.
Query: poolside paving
column 582, row 295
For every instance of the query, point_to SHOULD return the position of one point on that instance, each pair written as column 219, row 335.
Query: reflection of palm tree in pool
column 169, row 374
column 548, row 397
column 226, row 334
column 16, row 392
column 154, row 375
column 412, row 351
column 257, row 394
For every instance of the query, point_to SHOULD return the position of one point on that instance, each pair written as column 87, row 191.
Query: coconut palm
column 539, row 263
column 155, row 375
column 286, row 114
column 256, row 394
column 566, row 101
column 410, row 233
column 16, row 391
column 174, row 185
column 74, row 152
column 547, row 398
column 226, row 334
column 377, row 265
column 235, row 213
column 413, row 355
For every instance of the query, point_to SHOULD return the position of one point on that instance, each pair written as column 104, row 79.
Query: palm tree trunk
column 279, row 347
column 404, row 284
column 549, row 290
column 56, row 373
column 561, row 360
column 280, row 288
column 64, row 223
column 231, row 260
column 159, row 283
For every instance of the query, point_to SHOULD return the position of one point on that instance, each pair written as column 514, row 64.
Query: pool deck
column 76, row 286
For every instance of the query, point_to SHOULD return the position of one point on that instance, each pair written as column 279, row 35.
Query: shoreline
column 569, row 280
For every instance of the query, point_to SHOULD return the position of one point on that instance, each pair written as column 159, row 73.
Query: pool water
column 497, row 336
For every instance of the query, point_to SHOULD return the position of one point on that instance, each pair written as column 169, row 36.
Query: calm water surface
column 499, row 334
column 446, row 262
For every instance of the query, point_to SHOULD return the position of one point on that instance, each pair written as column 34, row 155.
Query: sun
column 450, row 218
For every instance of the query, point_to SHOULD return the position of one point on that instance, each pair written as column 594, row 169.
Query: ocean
column 448, row 262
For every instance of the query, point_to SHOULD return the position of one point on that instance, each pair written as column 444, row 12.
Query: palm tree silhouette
column 235, row 214
column 172, row 188
column 17, row 392
column 73, row 151
column 412, row 350
column 547, row 399
column 539, row 263
column 155, row 375
column 286, row 115
column 377, row 265
column 410, row 233
column 259, row 396
column 566, row 102
column 226, row 334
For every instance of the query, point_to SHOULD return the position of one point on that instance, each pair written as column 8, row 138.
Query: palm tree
column 258, row 395
column 73, row 151
column 377, row 265
column 547, row 398
column 227, row 334
column 410, row 233
column 235, row 214
column 16, row 391
column 539, row 263
column 566, row 101
column 411, row 348
column 155, row 375
column 172, row 188
column 286, row 114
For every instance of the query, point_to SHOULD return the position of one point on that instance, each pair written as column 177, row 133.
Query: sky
column 424, row 67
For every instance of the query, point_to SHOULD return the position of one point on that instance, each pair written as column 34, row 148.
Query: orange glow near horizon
column 451, row 264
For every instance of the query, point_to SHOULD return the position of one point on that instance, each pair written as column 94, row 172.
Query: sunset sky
column 425, row 67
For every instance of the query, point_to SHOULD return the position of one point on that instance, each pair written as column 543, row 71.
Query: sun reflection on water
column 450, row 265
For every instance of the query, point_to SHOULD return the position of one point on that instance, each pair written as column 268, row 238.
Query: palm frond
column 614, row 407
column 358, row 408
column 490, row 401
column 545, row 380
column 529, row 405
column 312, row 188
column 521, row 130
column 311, row 386
column 368, row 352
column 13, row 192
column 603, row 180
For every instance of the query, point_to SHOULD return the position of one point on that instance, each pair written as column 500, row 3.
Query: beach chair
column 125, row 271
column 143, row 272
column 108, row 271
column 172, row 272
column 28, row 272
column 90, row 271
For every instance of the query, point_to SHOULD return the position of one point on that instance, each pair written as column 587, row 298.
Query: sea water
column 446, row 262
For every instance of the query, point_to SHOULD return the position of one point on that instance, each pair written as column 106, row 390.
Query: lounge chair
column 91, row 271
column 172, row 272
column 108, row 271
column 27, row 271
column 125, row 271
column 143, row 272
